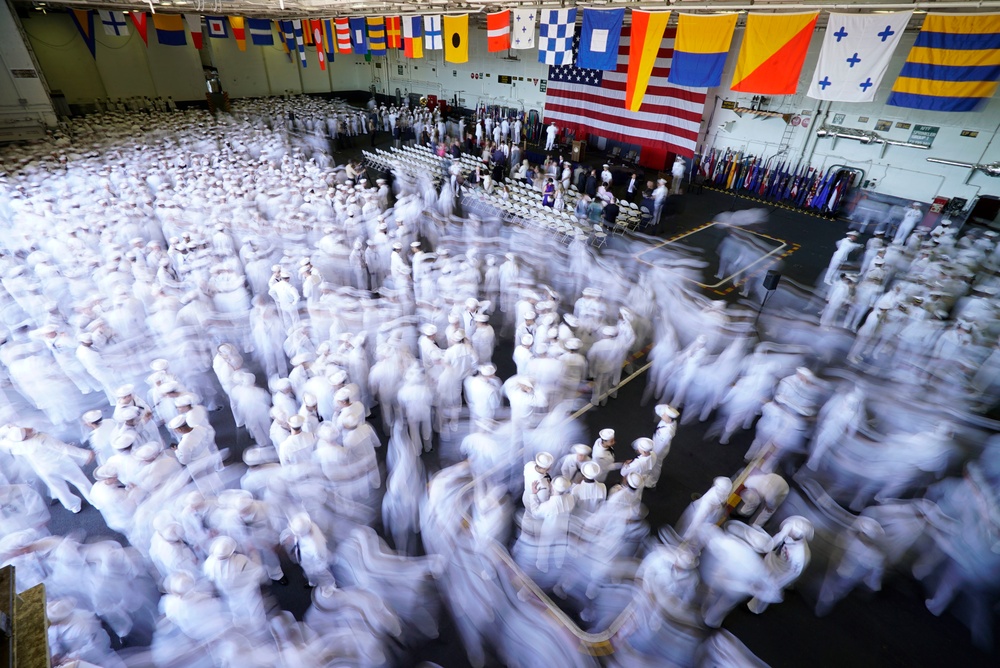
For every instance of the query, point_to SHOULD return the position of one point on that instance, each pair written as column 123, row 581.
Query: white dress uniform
column 483, row 395
column 307, row 547
column 589, row 493
column 238, row 579
column 54, row 462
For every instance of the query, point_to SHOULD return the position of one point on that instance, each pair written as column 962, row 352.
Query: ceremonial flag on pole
column 456, row 38
column 343, row 34
column 84, row 20
column 316, row 28
column 376, row 35
column 169, row 29
column 953, row 66
column 593, row 102
column 359, row 41
column 855, row 55
column 432, row 33
column 239, row 32
column 773, row 51
column 114, row 23
column 260, row 32
column 393, row 32
column 555, row 37
column 498, row 31
column 523, row 31
column 300, row 42
column 216, row 27
column 413, row 43
column 193, row 22
column 599, row 37
column 139, row 20
column 329, row 39
column 644, row 49
column 701, row 48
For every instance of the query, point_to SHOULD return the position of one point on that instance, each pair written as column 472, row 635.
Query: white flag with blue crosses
column 522, row 29
column 555, row 37
column 855, row 55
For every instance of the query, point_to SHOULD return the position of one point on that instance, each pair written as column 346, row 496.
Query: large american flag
column 593, row 102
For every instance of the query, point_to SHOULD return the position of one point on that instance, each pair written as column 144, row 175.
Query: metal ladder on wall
column 786, row 140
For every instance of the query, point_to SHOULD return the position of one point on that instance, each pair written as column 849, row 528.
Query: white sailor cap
column 302, row 358
column 146, row 452
column 106, row 471
column 59, row 610
column 259, row 455
column 561, row 484
column 123, row 441
column 300, row 525
column 223, row 547
column 573, row 344
column 487, row 370
column 296, row 421
column 93, row 417
column 606, row 434
column 177, row 421
column 124, row 391
column 126, row 413
column 591, row 470
column 544, row 460
column 643, row 444
column 665, row 411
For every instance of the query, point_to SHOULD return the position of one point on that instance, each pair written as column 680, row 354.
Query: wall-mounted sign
column 969, row 133
column 862, row 119
column 729, row 104
column 399, row 70
column 378, row 66
column 838, row 118
column 542, row 85
column 923, row 135
column 883, row 126
column 503, row 78
column 902, row 126
column 24, row 74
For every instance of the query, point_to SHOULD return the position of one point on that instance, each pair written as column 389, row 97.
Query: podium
column 23, row 625
column 579, row 151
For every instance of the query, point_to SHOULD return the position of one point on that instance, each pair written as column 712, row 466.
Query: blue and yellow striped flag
column 953, row 66
column 376, row 35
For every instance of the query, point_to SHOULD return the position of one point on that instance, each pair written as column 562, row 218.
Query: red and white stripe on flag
column 343, row 35
column 667, row 122
column 498, row 31
column 317, row 33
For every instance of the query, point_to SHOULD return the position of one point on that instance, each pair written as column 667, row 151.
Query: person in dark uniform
column 633, row 188
column 591, row 186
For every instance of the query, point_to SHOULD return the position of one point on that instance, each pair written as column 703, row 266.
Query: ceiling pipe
column 317, row 9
